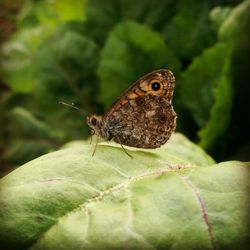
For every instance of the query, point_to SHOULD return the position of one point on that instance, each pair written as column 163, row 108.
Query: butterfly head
column 95, row 124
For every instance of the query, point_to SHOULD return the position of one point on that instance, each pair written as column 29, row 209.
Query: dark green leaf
column 23, row 123
column 30, row 137
column 131, row 51
column 66, row 65
column 235, row 30
column 220, row 113
column 102, row 16
column 207, row 92
column 189, row 31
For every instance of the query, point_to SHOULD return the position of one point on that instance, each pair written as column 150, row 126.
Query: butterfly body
column 143, row 116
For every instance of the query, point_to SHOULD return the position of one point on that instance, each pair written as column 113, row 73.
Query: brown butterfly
column 143, row 117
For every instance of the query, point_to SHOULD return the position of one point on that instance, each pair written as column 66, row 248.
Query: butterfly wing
column 143, row 116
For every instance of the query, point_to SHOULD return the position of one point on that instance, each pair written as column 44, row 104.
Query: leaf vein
column 116, row 188
column 203, row 208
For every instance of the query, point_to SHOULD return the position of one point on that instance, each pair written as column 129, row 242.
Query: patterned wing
column 144, row 117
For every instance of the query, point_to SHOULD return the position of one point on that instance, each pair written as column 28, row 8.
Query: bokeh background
column 89, row 52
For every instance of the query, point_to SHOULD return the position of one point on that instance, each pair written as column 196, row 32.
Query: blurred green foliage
column 89, row 52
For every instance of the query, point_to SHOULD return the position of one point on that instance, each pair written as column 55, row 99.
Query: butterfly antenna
column 69, row 105
column 72, row 105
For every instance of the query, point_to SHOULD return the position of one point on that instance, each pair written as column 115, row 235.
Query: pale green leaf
column 237, row 22
column 160, row 199
column 51, row 13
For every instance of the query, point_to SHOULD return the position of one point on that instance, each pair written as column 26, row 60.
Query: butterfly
column 143, row 117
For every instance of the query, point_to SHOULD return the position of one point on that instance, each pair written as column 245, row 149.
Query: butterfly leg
column 95, row 145
column 127, row 152
column 90, row 139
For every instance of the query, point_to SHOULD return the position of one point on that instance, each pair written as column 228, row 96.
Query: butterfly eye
column 155, row 86
column 93, row 121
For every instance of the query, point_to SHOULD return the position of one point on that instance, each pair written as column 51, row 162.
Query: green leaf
column 131, row 51
column 66, row 11
column 234, row 27
column 220, row 113
column 53, row 68
column 189, row 31
column 23, row 123
column 102, row 16
column 206, row 92
column 66, row 66
column 30, row 137
column 160, row 199
column 235, row 31
column 18, row 59
column 218, row 15
column 51, row 13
